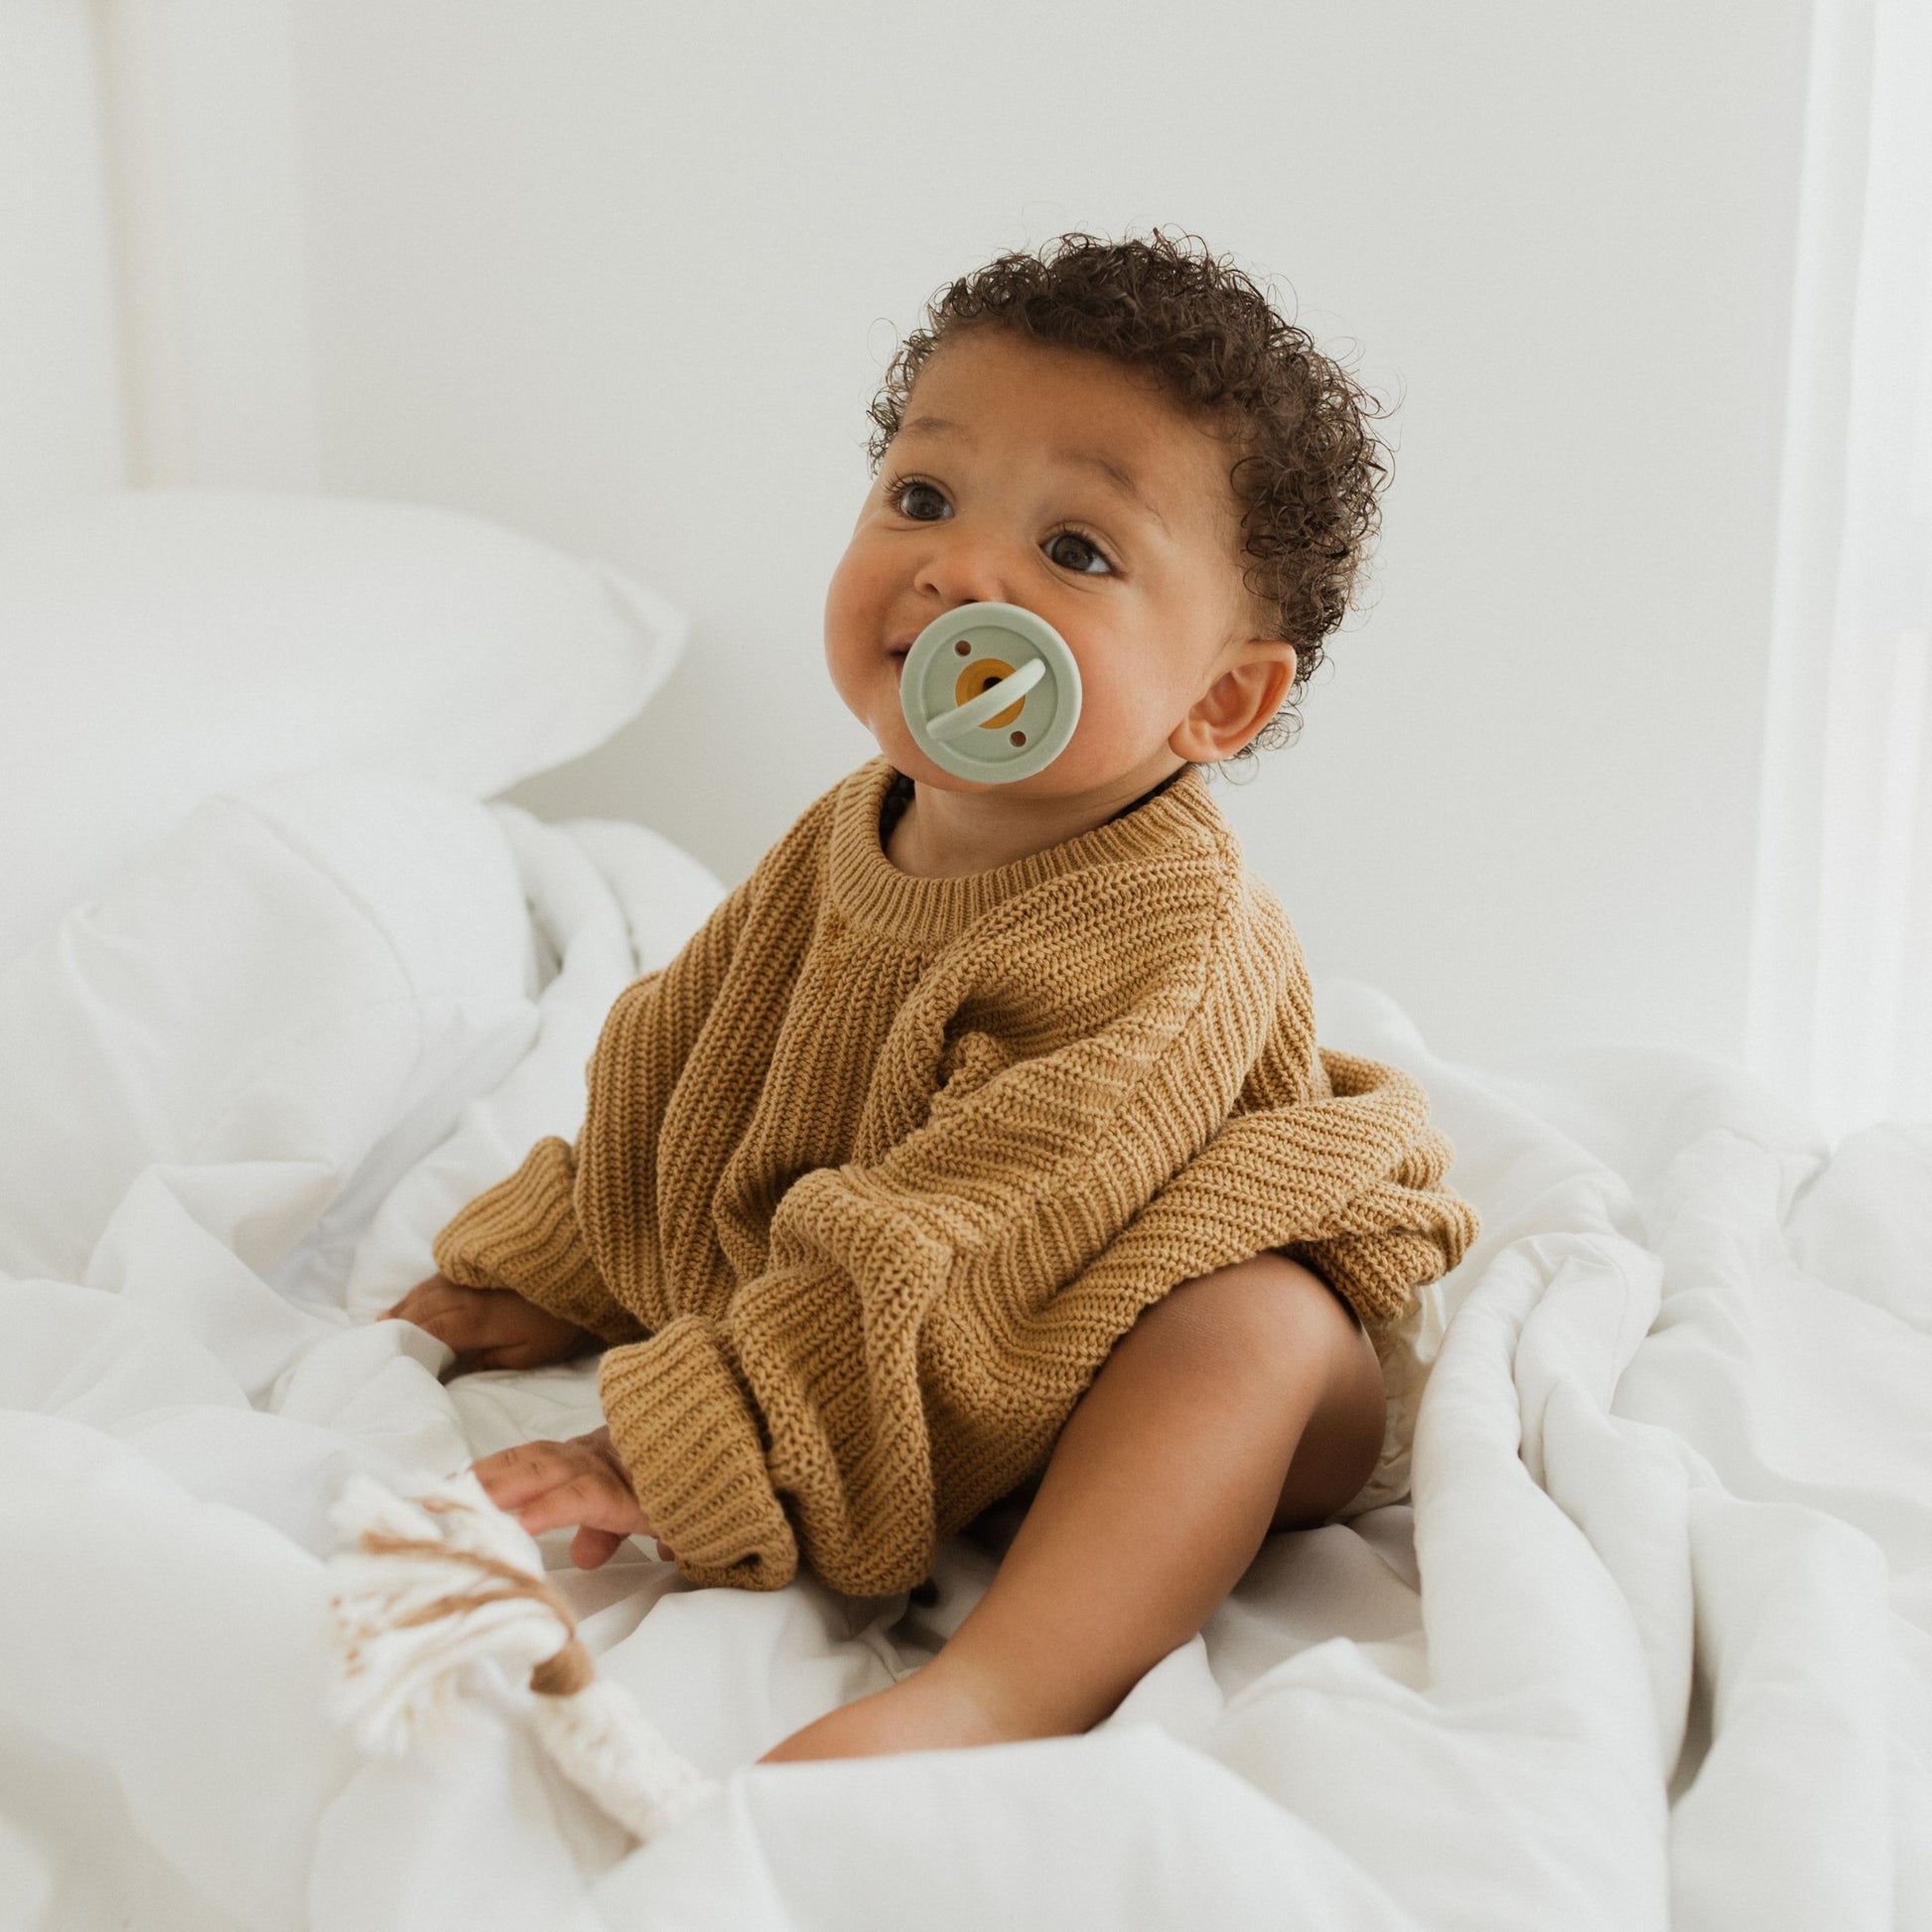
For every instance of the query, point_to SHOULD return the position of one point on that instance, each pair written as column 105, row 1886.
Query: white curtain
column 1841, row 995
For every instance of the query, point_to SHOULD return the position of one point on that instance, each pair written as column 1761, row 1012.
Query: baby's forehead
column 1079, row 406
column 992, row 366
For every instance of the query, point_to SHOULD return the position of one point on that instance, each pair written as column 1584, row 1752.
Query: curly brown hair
column 1309, row 468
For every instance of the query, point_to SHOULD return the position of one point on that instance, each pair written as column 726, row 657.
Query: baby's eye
column 920, row 502
column 1071, row 551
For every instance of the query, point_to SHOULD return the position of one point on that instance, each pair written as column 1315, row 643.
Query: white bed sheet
column 1652, row 1646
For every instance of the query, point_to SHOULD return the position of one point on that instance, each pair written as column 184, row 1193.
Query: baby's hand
column 489, row 1327
column 578, row 1482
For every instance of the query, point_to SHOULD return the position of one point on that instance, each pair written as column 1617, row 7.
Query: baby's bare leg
column 1247, row 1399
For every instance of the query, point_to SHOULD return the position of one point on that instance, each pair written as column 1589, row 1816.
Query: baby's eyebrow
column 1122, row 478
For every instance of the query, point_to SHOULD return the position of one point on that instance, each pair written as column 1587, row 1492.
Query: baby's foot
column 930, row 1710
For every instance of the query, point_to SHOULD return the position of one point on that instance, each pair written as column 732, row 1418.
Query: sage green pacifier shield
column 991, row 692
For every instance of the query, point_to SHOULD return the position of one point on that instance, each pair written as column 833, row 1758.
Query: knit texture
column 876, row 1172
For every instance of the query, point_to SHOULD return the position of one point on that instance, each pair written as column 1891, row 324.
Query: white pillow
column 288, row 977
column 158, row 646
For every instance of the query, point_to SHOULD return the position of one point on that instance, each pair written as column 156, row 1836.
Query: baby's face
column 1067, row 483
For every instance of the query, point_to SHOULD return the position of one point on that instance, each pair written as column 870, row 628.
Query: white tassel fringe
column 445, row 1579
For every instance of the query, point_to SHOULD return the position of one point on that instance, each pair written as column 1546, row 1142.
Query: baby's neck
column 953, row 834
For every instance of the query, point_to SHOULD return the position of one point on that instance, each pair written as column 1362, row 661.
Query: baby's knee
column 1266, row 1324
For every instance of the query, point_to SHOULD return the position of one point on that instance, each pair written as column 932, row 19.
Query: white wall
column 210, row 240
column 153, row 311
column 626, row 274
column 60, row 379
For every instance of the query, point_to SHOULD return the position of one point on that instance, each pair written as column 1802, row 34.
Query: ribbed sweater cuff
column 523, row 1235
column 681, row 1423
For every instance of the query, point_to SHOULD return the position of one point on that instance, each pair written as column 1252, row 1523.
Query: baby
column 978, row 1143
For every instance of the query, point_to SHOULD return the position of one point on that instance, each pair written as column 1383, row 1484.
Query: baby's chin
column 1050, row 787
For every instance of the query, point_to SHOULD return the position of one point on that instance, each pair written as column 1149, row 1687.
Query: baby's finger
column 506, row 1354
column 421, row 1299
column 512, row 1476
column 456, row 1330
column 464, row 1361
column 582, row 1499
column 593, row 1549
column 467, row 1363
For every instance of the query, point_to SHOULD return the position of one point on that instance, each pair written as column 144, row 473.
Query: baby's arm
column 535, row 1231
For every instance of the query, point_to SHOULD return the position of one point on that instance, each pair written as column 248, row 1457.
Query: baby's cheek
column 859, row 597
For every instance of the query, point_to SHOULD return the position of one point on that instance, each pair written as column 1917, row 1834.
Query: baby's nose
column 967, row 568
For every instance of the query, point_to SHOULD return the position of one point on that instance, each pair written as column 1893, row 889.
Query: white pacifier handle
column 990, row 701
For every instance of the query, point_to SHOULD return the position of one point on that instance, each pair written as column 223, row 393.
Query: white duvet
column 1653, row 1646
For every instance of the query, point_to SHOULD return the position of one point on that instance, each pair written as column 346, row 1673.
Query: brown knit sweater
column 878, row 1169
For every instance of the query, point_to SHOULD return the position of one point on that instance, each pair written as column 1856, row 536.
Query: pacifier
column 990, row 692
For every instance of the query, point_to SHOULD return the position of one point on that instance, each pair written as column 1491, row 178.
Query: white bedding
column 1654, row 1645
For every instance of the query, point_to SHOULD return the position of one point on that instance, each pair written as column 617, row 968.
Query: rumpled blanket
column 1651, row 1645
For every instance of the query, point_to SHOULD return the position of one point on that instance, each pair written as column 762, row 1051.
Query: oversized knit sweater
column 876, row 1172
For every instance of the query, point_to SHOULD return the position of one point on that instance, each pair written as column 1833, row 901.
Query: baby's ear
column 1271, row 658
column 1246, row 693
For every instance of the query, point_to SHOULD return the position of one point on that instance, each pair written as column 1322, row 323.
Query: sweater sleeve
column 527, row 1232
column 926, row 1322
column 523, row 1235
column 1349, row 1178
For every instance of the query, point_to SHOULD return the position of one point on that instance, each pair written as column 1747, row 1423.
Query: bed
column 1649, row 1645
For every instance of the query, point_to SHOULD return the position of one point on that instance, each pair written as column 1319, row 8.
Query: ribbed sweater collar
column 870, row 890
